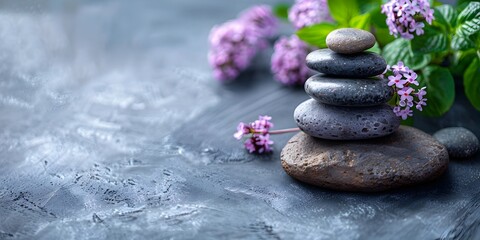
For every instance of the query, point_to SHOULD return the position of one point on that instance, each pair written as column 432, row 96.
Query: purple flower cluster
column 258, row 135
column 234, row 43
column 288, row 61
column 401, row 80
column 308, row 12
column 405, row 17
column 262, row 18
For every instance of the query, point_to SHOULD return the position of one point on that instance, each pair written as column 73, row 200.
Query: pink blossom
column 421, row 103
column 242, row 130
column 401, row 15
column 405, row 94
column 396, row 80
column 411, row 77
column 288, row 61
column 421, row 93
column 258, row 134
column 400, row 67
column 401, row 79
column 308, row 12
column 405, row 113
column 262, row 18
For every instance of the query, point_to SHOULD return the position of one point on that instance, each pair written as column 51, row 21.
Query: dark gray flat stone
column 355, row 65
column 345, row 123
column 350, row 40
column 348, row 91
column 460, row 142
column 407, row 157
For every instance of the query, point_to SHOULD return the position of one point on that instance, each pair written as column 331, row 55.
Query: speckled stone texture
column 407, row 157
column 350, row 40
column 348, row 91
column 359, row 65
column 460, row 142
column 345, row 123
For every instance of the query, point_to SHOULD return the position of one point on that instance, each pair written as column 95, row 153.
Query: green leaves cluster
column 449, row 47
column 451, row 41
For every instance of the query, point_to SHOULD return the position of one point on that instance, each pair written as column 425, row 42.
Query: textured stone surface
column 460, row 142
column 107, row 132
column 350, row 40
column 345, row 123
column 355, row 65
column 348, row 91
column 406, row 157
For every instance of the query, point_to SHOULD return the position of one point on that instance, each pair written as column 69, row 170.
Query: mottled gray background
column 112, row 127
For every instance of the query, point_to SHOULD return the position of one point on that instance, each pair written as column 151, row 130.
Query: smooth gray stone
column 350, row 40
column 359, row 65
column 407, row 157
column 348, row 92
column 345, row 123
column 460, row 142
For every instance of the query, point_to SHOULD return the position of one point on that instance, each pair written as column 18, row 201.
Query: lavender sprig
column 288, row 61
column 308, row 12
column 405, row 17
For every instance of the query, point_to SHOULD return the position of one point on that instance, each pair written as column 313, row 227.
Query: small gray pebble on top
column 350, row 40
column 460, row 142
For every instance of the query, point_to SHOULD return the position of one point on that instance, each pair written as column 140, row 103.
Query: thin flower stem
column 288, row 130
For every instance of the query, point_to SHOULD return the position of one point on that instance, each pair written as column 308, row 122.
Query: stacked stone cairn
column 351, row 139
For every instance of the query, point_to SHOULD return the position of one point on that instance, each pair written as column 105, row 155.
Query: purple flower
column 421, row 93
column 242, row 130
column 420, row 104
column 257, row 133
column 405, row 113
column 263, row 143
column 232, row 47
column 288, row 61
column 262, row 18
column 411, row 77
column 401, row 78
column 405, row 94
column 400, row 67
column 396, row 80
column 308, row 12
column 402, row 17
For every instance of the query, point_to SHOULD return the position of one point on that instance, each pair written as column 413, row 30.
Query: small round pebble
column 460, row 142
column 350, row 40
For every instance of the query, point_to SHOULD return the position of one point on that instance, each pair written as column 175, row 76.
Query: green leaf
column 343, row 11
column 446, row 16
column 431, row 41
column 407, row 122
column 461, row 61
column 440, row 90
column 435, row 3
column 469, row 27
column 464, row 2
column 383, row 36
column 376, row 49
column 470, row 12
column 368, row 5
column 281, row 10
column 462, row 42
column 471, row 82
column 378, row 18
column 316, row 34
column 361, row 21
column 399, row 50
